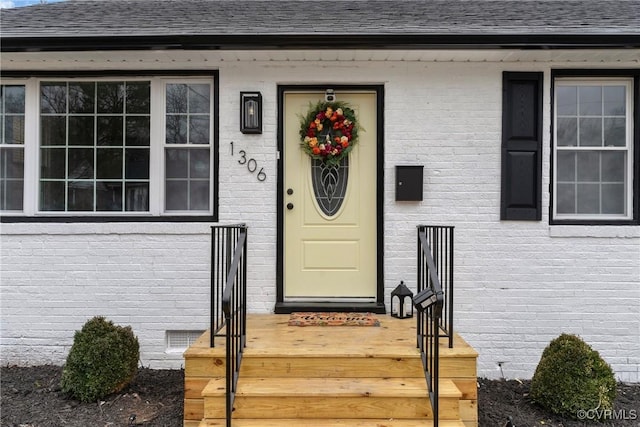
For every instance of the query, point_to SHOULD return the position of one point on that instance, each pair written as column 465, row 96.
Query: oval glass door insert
column 329, row 184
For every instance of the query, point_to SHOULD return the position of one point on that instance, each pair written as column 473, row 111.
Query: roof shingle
column 87, row 19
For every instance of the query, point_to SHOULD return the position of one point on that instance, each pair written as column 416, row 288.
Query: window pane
column 567, row 102
column 137, row 196
column 138, row 97
column 110, row 97
column 588, row 166
column 138, row 131
column 199, row 130
column 199, row 99
column 590, row 100
column 12, row 99
column 82, row 97
column 591, row 132
column 108, row 196
column 191, row 193
column 109, row 163
column 81, row 163
column 176, row 129
column 11, row 194
column 53, row 97
column 80, row 197
column 176, row 163
column 588, row 198
column 199, row 163
column 136, row 163
column 176, row 98
column 199, row 195
column 11, row 178
column 13, row 130
column 567, row 132
column 12, row 163
column 81, row 130
column 53, row 163
column 614, row 166
column 110, row 131
column 615, row 101
column 613, row 199
column 176, row 195
column 52, row 196
column 566, row 198
column 53, row 130
column 614, row 132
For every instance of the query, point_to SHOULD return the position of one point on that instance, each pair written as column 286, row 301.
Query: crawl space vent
column 181, row 340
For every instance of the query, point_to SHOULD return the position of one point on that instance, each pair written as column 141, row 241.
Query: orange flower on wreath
column 329, row 131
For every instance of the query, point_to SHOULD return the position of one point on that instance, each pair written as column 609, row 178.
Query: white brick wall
column 518, row 284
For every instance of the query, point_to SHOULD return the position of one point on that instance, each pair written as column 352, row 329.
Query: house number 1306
column 252, row 164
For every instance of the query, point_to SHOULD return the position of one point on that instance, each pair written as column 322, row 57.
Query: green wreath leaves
column 329, row 131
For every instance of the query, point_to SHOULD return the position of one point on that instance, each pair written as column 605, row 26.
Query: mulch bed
column 500, row 399
column 31, row 397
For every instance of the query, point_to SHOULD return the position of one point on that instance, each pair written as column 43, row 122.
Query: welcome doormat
column 333, row 319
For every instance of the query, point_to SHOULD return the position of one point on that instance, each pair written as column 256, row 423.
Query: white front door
column 330, row 253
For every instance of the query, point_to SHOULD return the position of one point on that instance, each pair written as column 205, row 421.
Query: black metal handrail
column 431, row 324
column 229, row 302
column 438, row 242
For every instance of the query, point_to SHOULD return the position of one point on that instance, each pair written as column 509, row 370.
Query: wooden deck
column 329, row 376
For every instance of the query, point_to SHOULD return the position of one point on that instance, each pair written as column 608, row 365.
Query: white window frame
column 156, row 155
column 599, row 81
column 26, row 154
column 164, row 145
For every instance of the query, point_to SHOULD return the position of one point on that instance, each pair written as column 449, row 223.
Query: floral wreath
column 329, row 131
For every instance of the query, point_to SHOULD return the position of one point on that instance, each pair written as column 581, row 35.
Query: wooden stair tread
column 338, row 387
column 336, row 367
column 332, row 423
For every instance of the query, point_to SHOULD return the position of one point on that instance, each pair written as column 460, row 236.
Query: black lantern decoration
column 402, row 302
column 250, row 112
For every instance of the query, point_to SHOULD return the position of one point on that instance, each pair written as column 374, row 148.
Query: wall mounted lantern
column 402, row 302
column 250, row 112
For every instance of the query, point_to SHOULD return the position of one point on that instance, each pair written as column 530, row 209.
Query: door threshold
column 349, row 307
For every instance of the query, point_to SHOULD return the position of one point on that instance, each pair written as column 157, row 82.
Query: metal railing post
column 229, row 301
column 435, row 317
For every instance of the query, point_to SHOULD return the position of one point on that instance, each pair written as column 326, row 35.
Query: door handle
column 289, row 205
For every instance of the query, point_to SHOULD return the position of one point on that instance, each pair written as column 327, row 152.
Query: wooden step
column 340, row 398
column 333, row 367
column 276, row 349
column 331, row 423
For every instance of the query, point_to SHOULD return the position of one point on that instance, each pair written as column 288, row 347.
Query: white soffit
column 172, row 59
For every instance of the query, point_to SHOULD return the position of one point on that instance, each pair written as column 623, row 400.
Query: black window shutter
column 521, row 146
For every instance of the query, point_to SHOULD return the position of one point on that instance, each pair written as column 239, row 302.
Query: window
column 12, row 118
column 94, row 146
column 187, row 152
column 593, row 149
column 136, row 146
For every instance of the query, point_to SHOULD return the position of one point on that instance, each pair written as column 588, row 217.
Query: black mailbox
column 409, row 183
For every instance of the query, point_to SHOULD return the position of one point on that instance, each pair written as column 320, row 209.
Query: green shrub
column 572, row 377
column 103, row 360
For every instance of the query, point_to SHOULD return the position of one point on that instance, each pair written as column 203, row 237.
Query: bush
column 103, row 360
column 572, row 377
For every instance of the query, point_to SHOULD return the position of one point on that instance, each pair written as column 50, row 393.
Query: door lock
column 289, row 205
column 290, row 191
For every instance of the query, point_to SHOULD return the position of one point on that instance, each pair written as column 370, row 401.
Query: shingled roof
column 268, row 24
